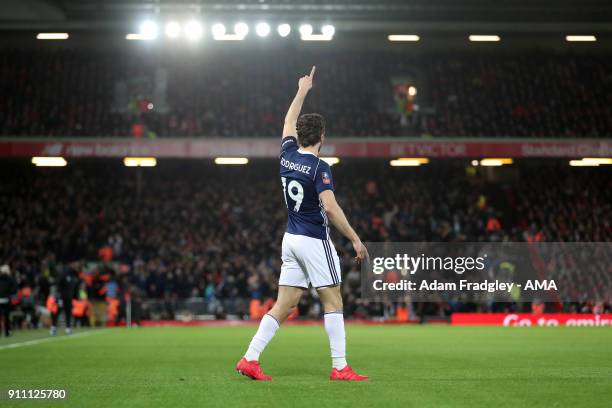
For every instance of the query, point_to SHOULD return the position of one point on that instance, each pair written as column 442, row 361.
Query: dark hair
column 310, row 128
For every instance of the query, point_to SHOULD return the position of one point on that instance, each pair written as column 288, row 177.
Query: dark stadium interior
column 381, row 11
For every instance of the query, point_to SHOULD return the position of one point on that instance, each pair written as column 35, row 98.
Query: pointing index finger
column 312, row 71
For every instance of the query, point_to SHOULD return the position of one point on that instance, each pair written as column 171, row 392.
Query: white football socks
column 334, row 326
column 267, row 329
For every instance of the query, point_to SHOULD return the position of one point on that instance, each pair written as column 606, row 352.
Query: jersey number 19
column 293, row 191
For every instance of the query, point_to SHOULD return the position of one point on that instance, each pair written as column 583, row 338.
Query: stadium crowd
column 147, row 94
column 188, row 231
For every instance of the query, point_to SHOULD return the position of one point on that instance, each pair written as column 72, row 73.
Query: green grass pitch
column 410, row 366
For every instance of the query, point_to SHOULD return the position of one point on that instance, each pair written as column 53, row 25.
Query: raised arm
column 337, row 217
column 304, row 85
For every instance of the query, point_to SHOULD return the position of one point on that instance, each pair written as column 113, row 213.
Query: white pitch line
column 49, row 339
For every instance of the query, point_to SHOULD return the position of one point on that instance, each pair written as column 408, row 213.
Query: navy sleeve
column 323, row 178
column 288, row 144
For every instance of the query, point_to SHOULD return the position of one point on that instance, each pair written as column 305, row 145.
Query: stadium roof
column 359, row 15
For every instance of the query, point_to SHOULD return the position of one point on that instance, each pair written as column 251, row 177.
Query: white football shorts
column 307, row 261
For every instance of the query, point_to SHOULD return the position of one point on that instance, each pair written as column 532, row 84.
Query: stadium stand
column 73, row 93
column 191, row 231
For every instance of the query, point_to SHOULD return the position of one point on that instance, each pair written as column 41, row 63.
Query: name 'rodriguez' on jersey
column 304, row 176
